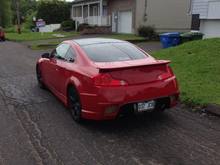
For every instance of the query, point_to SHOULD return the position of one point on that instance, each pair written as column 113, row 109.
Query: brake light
column 167, row 74
column 107, row 81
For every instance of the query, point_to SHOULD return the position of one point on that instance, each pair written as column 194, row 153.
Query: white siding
column 209, row 11
column 200, row 7
column 206, row 8
column 214, row 10
column 210, row 28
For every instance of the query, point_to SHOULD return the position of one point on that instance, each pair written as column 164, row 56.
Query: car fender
column 74, row 82
column 40, row 63
column 40, row 60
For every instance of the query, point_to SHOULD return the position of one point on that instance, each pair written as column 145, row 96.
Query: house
column 93, row 12
column 206, row 17
column 126, row 16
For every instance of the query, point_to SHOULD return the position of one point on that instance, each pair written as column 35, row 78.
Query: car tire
column 74, row 104
column 39, row 78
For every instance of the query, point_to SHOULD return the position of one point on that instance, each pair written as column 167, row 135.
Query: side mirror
column 45, row 55
column 71, row 60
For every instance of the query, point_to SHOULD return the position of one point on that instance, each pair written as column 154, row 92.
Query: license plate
column 146, row 106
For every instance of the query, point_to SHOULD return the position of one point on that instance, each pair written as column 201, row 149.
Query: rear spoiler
column 124, row 65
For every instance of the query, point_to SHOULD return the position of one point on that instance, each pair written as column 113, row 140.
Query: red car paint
column 105, row 88
column 2, row 35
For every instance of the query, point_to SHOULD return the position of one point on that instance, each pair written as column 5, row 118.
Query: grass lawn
column 197, row 67
column 31, row 36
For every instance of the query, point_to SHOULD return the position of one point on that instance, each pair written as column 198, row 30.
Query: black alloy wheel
column 74, row 104
column 39, row 78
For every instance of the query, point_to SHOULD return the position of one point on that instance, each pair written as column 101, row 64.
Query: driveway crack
column 35, row 136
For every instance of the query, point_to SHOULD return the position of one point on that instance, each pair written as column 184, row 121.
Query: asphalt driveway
column 35, row 128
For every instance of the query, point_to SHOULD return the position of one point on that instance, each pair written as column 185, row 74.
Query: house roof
column 83, row 1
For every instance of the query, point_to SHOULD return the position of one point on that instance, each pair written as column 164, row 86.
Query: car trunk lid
column 137, row 71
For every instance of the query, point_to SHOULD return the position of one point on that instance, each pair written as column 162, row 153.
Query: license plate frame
column 147, row 106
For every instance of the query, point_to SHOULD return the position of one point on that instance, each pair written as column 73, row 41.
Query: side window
column 61, row 51
column 70, row 55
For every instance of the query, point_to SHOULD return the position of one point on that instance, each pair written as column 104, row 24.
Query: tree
column 5, row 13
column 53, row 11
column 27, row 8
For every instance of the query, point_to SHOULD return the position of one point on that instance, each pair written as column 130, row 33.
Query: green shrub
column 10, row 29
column 68, row 25
column 147, row 32
column 13, row 29
column 28, row 24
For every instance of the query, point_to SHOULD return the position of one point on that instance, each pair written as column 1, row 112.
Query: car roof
column 94, row 41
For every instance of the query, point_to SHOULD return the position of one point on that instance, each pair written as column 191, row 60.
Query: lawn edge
column 37, row 46
column 213, row 109
column 210, row 108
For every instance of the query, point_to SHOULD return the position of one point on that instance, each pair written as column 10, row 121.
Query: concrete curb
column 214, row 109
column 41, row 46
column 137, row 41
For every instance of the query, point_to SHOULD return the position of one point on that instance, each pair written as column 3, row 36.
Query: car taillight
column 107, row 81
column 167, row 74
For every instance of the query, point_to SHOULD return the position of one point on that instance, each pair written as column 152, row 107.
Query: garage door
column 211, row 28
column 125, row 22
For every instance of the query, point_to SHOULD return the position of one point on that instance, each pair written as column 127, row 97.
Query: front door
column 125, row 22
column 57, row 67
column 114, row 21
column 65, row 69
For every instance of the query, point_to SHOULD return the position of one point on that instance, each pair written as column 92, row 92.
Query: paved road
column 35, row 128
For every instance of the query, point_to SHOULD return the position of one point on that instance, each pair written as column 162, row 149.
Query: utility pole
column 18, row 16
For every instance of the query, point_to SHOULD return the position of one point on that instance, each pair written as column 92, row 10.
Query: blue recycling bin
column 170, row 39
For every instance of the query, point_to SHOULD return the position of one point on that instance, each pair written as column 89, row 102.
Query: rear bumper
column 108, row 102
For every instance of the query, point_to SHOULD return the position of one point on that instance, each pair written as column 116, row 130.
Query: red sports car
column 2, row 34
column 101, row 79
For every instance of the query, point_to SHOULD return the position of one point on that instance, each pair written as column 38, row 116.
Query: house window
column 94, row 10
column 105, row 11
column 85, row 11
column 77, row 11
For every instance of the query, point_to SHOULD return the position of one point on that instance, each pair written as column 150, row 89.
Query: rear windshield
column 112, row 52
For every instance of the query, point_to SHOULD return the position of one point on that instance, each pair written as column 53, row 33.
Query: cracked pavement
column 35, row 128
